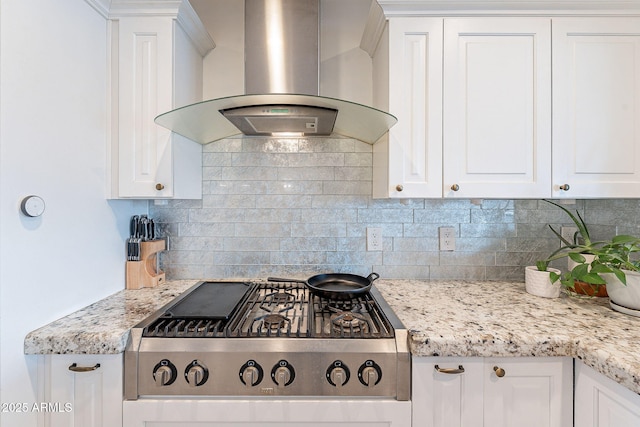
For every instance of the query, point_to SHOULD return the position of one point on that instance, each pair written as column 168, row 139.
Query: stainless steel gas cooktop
column 225, row 338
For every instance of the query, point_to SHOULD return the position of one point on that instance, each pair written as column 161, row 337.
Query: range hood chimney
column 281, row 85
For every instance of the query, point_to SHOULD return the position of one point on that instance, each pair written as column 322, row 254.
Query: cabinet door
column 447, row 392
column 145, row 64
column 528, row 392
column 155, row 67
column 415, row 98
column 497, row 107
column 83, row 399
column 601, row 402
column 596, row 107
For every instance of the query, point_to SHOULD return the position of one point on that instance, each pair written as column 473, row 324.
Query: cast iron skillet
column 335, row 285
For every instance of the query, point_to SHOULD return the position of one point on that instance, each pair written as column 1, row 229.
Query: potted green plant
column 579, row 251
column 615, row 264
column 542, row 280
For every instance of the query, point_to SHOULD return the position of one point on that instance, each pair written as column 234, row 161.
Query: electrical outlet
column 568, row 233
column 374, row 238
column 447, row 238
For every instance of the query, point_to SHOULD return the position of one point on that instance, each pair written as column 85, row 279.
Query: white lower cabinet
column 492, row 392
column 601, row 402
column 82, row 390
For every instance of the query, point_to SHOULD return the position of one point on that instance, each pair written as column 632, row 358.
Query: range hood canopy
column 282, row 85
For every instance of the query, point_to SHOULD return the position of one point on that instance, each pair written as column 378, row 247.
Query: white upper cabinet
column 596, row 107
column 156, row 66
column 494, row 99
column 408, row 162
column 509, row 107
column 497, row 117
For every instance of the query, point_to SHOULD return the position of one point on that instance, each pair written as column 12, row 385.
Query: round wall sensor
column 32, row 206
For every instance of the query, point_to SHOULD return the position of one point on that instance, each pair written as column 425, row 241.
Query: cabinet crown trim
column 180, row 10
column 549, row 7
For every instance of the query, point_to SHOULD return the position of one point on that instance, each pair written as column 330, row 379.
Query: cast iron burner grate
column 274, row 309
column 185, row 328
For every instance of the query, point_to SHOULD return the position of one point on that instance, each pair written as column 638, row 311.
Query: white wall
column 53, row 133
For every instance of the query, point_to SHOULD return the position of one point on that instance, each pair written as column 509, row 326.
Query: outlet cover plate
column 374, row 239
column 447, row 238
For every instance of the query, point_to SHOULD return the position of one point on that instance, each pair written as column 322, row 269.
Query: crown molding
column 100, row 6
column 190, row 22
column 483, row 7
column 180, row 10
column 373, row 29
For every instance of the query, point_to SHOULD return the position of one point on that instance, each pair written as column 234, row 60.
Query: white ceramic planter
column 538, row 283
column 626, row 296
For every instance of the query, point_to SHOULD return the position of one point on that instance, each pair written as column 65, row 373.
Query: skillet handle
column 279, row 279
column 372, row 277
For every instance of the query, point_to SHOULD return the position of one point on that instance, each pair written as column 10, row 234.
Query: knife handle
column 133, row 226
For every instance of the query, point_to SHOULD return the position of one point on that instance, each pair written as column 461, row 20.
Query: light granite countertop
column 445, row 318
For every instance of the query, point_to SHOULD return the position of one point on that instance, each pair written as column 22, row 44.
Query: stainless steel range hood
column 281, row 85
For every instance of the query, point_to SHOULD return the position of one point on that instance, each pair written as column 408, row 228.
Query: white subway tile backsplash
column 298, row 207
column 269, row 244
column 199, row 229
column 347, row 187
column 284, row 201
column 322, row 173
column 318, row 230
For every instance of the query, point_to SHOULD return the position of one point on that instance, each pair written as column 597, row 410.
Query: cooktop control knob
column 164, row 373
column 369, row 373
column 196, row 374
column 251, row 373
column 338, row 374
column 283, row 374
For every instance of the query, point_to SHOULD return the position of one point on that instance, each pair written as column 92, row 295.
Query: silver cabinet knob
column 455, row 187
column 564, row 187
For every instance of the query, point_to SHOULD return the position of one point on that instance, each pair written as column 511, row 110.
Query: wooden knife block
column 144, row 273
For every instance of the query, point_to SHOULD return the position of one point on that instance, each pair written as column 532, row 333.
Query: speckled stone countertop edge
column 444, row 318
column 499, row 319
